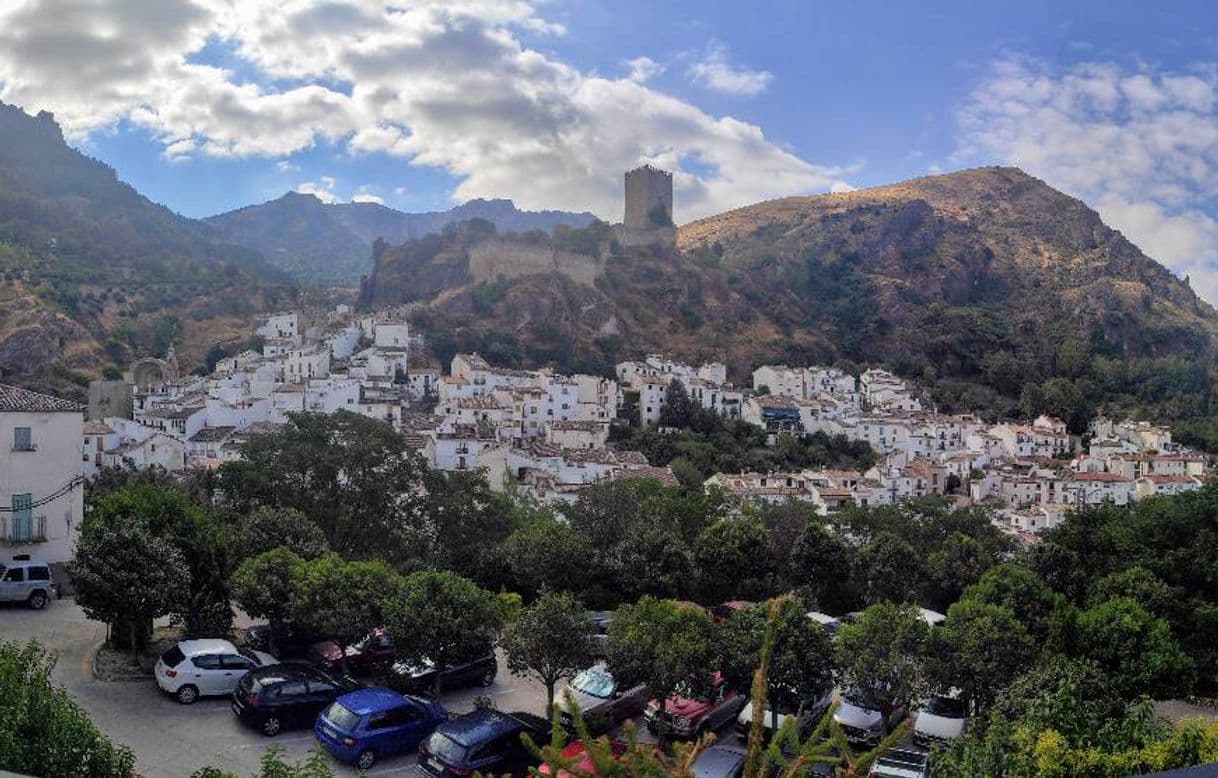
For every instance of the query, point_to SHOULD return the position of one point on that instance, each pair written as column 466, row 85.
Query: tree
column 1064, row 718
column 651, row 559
column 442, row 618
column 1137, row 649
column 987, row 647
column 890, row 569
column 678, row 410
column 686, row 473
column 733, row 557
column 1019, row 590
column 958, row 562
column 469, row 523
column 166, row 511
column 823, row 564
column 43, row 731
column 801, row 660
column 268, row 528
column 550, row 640
column 547, row 552
column 342, row 600
column 353, row 476
column 265, row 586
column 124, row 575
column 663, row 646
column 881, row 656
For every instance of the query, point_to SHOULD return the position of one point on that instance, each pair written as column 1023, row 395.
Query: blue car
column 366, row 725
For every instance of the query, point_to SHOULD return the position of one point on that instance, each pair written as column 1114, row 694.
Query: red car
column 690, row 717
column 580, row 760
column 374, row 650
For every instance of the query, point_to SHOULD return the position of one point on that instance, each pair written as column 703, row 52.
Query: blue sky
column 208, row 105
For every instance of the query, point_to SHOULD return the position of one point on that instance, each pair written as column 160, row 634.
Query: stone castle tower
column 648, row 198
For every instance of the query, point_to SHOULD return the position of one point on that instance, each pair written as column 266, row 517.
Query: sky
column 209, row 105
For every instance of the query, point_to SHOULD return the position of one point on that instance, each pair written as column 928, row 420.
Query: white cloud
column 441, row 83
column 716, row 71
column 1140, row 146
column 642, row 69
column 286, row 166
column 323, row 189
column 364, row 195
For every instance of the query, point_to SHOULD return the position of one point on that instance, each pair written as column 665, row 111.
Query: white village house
column 41, row 489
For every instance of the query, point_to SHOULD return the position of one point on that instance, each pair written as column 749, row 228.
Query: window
column 293, row 689
column 319, row 686
column 16, row 575
column 396, row 717
column 207, row 662
column 22, row 440
column 40, row 574
column 235, row 662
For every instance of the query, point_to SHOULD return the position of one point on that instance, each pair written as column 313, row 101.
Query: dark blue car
column 366, row 725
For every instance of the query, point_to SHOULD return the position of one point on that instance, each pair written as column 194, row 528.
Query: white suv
column 27, row 580
column 195, row 668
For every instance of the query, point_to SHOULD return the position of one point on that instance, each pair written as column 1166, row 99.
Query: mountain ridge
column 96, row 275
column 332, row 242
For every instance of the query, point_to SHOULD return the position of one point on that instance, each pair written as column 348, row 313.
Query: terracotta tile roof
column 14, row 399
column 211, row 434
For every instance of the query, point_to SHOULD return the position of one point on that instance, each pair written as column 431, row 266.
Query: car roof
column 206, row 646
column 718, row 760
column 374, row 700
column 23, row 563
column 284, row 671
column 481, row 725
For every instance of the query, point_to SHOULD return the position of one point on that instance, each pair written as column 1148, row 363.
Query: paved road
column 173, row 740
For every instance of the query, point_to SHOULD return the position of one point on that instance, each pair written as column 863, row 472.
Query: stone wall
column 110, row 398
column 494, row 258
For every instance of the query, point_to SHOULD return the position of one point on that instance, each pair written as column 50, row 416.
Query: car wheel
column 271, row 727
column 37, row 601
column 366, row 759
column 187, row 694
column 487, row 678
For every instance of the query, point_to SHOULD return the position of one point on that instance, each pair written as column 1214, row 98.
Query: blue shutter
column 22, row 440
column 23, row 518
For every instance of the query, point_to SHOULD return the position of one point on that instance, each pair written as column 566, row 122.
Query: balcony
column 32, row 529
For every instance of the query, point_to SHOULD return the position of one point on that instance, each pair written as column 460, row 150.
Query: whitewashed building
column 41, row 486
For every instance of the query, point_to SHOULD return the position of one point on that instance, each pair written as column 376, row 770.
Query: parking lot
column 172, row 740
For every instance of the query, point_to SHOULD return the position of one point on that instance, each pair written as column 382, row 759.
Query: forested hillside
column 94, row 274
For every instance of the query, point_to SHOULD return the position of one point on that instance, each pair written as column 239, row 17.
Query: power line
column 60, row 492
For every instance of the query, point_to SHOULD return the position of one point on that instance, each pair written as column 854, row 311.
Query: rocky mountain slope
column 332, row 243
column 1000, row 292
column 95, row 275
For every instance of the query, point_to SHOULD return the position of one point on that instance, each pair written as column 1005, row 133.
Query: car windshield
column 173, row 657
column 250, row 655
column 858, row 698
column 446, row 748
column 341, row 717
column 946, row 707
column 594, row 683
column 2, row 569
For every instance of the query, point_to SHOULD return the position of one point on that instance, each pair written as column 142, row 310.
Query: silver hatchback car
column 27, row 580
